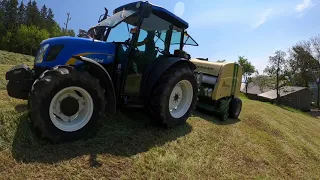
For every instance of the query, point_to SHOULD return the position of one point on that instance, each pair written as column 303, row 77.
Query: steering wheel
column 127, row 42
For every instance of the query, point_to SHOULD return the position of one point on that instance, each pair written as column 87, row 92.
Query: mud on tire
column 162, row 91
column 44, row 90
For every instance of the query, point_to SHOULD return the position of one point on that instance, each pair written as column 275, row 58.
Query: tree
column 2, row 28
column 69, row 32
column 33, row 14
column 10, row 14
column 277, row 68
column 52, row 24
column 43, row 16
column 23, row 27
column 22, row 17
column 263, row 81
column 248, row 70
column 303, row 65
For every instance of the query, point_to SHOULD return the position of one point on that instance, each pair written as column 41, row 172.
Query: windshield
column 176, row 38
column 116, row 18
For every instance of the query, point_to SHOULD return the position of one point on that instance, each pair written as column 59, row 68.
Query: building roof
column 286, row 90
column 252, row 88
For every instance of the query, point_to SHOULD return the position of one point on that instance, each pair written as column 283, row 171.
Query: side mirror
column 146, row 10
column 103, row 16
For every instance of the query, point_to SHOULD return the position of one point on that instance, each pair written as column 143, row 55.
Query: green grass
column 266, row 142
column 14, row 58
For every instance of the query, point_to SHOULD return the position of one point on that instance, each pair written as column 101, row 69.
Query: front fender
column 102, row 74
column 158, row 68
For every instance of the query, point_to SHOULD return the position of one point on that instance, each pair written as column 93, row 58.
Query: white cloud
column 305, row 4
column 263, row 17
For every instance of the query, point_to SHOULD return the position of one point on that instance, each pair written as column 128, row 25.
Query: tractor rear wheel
column 174, row 96
column 235, row 108
column 66, row 104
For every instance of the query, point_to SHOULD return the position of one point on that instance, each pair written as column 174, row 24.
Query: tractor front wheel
column 174, row 96
column 66, row 104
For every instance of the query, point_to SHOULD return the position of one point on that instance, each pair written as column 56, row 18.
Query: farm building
column 314, row 89
column 253, row 90
column 292, row 96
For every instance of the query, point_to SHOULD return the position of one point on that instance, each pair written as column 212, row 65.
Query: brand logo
column 225, row 85
column 98, row 60
column 205, row 67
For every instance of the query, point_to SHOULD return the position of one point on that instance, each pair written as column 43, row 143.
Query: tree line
column 24, row 26
column 298, row 66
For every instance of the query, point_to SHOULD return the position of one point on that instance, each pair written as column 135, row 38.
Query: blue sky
column 224, row 29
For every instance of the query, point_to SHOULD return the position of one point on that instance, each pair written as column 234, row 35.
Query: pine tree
column 24, row 26
column 10, row 15
column 22, row 17
column 33, row 14
column 43, row 16
column 51, row 23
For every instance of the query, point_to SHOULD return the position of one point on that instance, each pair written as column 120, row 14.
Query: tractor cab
column 144, row 34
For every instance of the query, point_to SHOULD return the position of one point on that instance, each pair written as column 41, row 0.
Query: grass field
column 266, row 142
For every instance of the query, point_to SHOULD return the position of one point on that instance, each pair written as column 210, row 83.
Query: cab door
column 144, row 54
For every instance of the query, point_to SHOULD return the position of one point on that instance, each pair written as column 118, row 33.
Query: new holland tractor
column 133, row 58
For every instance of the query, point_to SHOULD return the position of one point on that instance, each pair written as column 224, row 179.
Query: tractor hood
column 59, row 50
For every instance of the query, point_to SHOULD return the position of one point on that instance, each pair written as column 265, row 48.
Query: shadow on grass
column 128, row 134
column 213, row 118
column 21, row 108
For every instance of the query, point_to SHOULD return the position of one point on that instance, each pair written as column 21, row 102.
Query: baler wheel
column 235, row 108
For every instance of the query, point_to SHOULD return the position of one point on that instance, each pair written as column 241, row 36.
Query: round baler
column 219, row 85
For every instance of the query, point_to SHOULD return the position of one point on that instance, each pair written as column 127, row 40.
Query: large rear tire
column 174, row 96
column 66, row 105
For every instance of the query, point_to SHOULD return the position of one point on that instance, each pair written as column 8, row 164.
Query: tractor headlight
column 42, row 51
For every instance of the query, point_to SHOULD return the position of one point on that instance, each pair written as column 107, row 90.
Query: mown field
column 266, row 142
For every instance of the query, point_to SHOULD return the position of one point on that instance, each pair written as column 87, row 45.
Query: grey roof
column 252, row 88
column 283, row 92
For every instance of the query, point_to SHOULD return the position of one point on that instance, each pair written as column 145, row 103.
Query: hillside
column 267, row 142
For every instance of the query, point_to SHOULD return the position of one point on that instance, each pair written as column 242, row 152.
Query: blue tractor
column 133, row 58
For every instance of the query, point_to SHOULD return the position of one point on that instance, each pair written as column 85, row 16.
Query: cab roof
column 156, row 10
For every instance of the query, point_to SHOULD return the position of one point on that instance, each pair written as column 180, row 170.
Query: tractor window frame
column 188, row 37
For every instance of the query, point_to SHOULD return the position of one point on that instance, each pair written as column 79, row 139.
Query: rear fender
column 102, row 74
column 159, row 68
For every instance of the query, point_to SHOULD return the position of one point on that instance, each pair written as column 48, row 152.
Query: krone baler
column 219, row 87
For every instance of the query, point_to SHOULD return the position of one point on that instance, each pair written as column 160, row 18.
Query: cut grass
column 267, row 142
column 14, row 58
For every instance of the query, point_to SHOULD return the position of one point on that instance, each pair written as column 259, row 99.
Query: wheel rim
column 65, row 114
column 180, row 99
